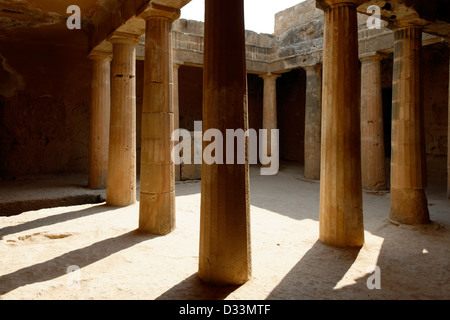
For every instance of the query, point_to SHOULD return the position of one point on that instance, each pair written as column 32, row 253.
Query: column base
column 97, row 186
column 217, row 277
column 381, row 186
column 409, row 206
column 311, row 177
column 356, row 242
column 118, row 199
column 337, row 229
column 340, row 227
column 157, row 213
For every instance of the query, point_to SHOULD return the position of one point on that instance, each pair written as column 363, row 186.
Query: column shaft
column 121, row 184
column 448, row 141
column 157, row 193
column 408, row 167
column 99, row 121
column 341, row 217
column 176, row 112
column 313, row 119
column 372, row 136
column 225, row 256
column 270, row 107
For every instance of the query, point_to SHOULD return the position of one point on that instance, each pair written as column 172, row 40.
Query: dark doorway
column 291, row 89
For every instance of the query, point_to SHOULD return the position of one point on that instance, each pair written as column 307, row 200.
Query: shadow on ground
column 54, row 219
column 57, row 266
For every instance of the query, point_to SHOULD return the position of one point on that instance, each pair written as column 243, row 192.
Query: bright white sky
column 259, row 14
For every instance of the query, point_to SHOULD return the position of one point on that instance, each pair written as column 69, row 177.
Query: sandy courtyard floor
column 111, row 260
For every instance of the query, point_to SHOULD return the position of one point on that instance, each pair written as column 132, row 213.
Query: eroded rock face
column 38, row 13
column 12, row 81
column 32, row 133
column 44, row 100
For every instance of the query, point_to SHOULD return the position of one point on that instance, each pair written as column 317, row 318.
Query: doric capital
column 371, row 56
column 123, row 37
column 315, row 68
column 100, row 55
column 157, row 10
column 326, row 4
column 270, row 76
column 409, row 31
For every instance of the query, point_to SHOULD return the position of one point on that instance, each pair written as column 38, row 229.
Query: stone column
column 225, row 256
column 448, row 142
column 121, row 184
column 157, row 193
column 176, row 112
column 270, row 107
column 313, row 119
column 341, row 214
column 372, row 135
column 409, row 203
column 99, row 119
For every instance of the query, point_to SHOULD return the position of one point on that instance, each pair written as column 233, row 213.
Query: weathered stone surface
column 408, row 163
column 153, row 216
column 121, row 184
column 409, row 206
column 176, row 110
column 99, row 120
column 341, row 210
column 299, row 14
column 435, row 92
column 192, row 171
column 44, row 107
column 313, row 122
column 225, row 253
column 157, row 203
column 373, row 165
column 270, row 108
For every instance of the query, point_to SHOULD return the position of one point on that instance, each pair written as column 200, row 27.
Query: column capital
column 326, row 4
column 408, row 31
column 371, row 56
column 269, row 76
column 100, row 55
column 156, row 10
column 177, row 64
column 313, row 68
column 124, row 37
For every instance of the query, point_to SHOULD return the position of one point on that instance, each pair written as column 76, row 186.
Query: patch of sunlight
column 365, row 264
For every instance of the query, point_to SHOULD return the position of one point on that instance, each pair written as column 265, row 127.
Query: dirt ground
column 94, row 251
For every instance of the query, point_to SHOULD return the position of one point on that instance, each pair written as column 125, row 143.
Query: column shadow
column 315, row 276
column 83, row 257
column 54, row 219
column 16, row 207
column 192, row 288
column 413, row 264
